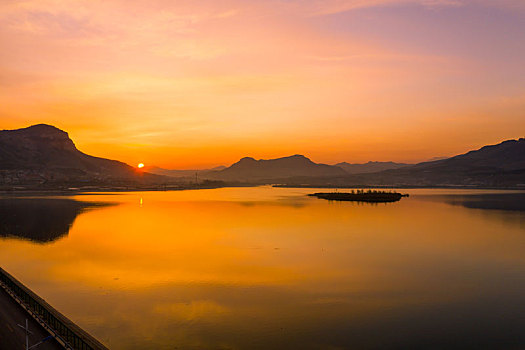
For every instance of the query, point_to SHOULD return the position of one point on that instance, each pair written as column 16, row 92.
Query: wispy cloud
column 318, row 7
column 249, row 73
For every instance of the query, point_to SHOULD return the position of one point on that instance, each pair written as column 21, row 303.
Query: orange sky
column 187, row 84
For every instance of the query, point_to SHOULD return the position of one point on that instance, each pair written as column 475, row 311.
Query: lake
column 271, row 268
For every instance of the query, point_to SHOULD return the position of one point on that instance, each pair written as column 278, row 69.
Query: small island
column 371, row 196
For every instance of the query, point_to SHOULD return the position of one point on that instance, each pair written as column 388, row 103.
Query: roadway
column 13, row 337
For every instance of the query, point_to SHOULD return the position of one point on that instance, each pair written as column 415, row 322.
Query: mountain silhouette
column 186, row 173
column 249, row 169
column 43, row 154
column 506, row 156
column 370, row 167
column 500, row 165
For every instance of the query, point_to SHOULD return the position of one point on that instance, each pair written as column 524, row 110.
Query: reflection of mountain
column 500, row 201
column 40, row 220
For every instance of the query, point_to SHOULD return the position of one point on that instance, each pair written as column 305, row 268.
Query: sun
column 140, row 165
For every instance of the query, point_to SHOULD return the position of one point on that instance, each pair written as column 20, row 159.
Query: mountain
column 437, row 158
column 501, row 165
column 263, row 170
column 217, row 168
column 181, row 173
column 506, row 156
column 42, row 154
column 370, row 167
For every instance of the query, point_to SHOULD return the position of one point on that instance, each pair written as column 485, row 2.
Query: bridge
column 17, row 303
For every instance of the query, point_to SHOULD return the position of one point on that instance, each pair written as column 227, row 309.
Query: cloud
column 208, row 71
column 60, row 20
column 320, row 8
column 330, row 7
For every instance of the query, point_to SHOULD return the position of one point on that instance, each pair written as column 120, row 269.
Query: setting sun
column 140, row 165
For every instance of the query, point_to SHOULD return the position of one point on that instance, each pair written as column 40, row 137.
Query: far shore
column 104, row 189
column 50, row 191
column 466, row 187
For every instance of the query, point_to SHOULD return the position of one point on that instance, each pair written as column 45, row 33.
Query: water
column 269, row 268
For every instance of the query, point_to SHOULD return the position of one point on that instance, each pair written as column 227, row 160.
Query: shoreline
column 459, row 187
column 118, row 189
column 103, row 189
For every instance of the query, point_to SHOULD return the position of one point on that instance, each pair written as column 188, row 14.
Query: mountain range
column 370, row 167
column 501, row 165
column 45, row 155
column 186, row 173
column 278, row 168
column 267, row 170
column 497, row 165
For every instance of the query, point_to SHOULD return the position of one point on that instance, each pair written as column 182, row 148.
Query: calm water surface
column 248, row 268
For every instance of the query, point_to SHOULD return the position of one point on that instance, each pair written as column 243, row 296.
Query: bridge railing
column 64, row 330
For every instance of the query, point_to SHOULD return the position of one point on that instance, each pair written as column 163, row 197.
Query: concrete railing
column 64, row 330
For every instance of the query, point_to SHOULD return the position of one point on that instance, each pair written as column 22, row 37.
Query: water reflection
column 40, row 219
column 499, row 201
column 508, row 207
column 201, row 269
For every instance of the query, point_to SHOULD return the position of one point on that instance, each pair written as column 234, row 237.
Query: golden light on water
column 276, row 256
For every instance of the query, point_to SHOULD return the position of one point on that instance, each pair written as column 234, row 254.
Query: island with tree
column 373, row 196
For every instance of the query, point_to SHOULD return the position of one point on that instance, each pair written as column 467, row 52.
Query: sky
column 197, row 84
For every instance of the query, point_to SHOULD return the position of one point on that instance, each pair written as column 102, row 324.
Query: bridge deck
column 13, row 337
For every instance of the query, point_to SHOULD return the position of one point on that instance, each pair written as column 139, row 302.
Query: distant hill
column 501, row 165
column 437, row 158
column 182, row 173
column 250, row 170
column 506, row 156
column 370, row 167
column 43, row 154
